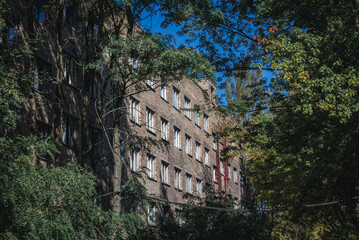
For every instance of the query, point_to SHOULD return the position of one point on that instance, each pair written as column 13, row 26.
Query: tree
column 201, row 223
column 302, row 148
column 56, row 201
column 302, row 136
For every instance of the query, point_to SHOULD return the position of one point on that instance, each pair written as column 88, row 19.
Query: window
column 134, row 160
column 176, row 97
column 164, row 129
column 212, row 94
column 92, row 29
column 94, row 141
column 221, row 168
column 163, row 90
column 133, row 61
column 43, row 129
column 166, row 213
column 43, row 74
column 98, row 200
column 196, row 115
column 178, row 216
column 150, row 120
column 229, row 171
column 199, row 187
column 69, row 130
column 208, row 189
column 149, row 82
column 177, row 178
column 214, row 141
column 151, row 166
column 198, row 151
column 39, row 10
column 206, row 156
column 70, row 70
column 94, row 91
column 188, row 183
column 214, row 174
column 176, row 137
column 97, row 144
column 151, row 214
column 70, row 15
column 134, row 110
column 205, row 122
column 43, row 132
column 13, row 34
column 187, row 107
column 188, row 144
column 235, row 175
column 164, row 172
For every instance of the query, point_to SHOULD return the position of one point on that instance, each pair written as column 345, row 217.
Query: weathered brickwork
column 177, row 158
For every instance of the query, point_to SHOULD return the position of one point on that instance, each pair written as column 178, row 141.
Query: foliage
column 200, row 223
column 302, row 138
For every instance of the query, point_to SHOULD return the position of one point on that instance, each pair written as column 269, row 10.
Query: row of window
column 176, row 103
column 164, row 174
column 134, row 110
column 44, row 75
column 187, row 107
column 153, row 214
column 150, row 163
column 235, row 172
column 70, row 134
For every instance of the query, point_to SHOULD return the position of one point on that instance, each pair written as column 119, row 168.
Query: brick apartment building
column 177, row 114
column 181, row 115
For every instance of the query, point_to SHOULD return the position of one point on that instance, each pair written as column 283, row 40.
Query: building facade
column 182, row 116
column 73, row 105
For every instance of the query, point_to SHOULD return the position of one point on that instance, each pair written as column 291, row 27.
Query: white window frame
column 164, row 129
column 206, row 123
column 150, row 82
column 164, row 172
column 198, row 151
column 69, row 129
column 177, row 178
column 134, row 160
column 134, row 110
column 151, row 165
column 133, row 61
column 163, row 90
column 188, row 144
column 229, row 170
column 70, row 70
column 152, row 212
column 214, row 141
column 214, row 173
column 235, row 175
column 188, row 183
column 196, row 116
column 178, row 216
column 206, row 156
column 176, row 94
column 187, row 107
column 150, row 119
column 199, row 187
column 43, row 85
column 221, row 167
column 177, row 137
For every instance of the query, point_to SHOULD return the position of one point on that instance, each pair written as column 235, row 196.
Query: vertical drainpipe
column 225, row 165
column 218, row 171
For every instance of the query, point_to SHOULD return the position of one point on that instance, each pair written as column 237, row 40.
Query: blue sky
column 153, row 24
